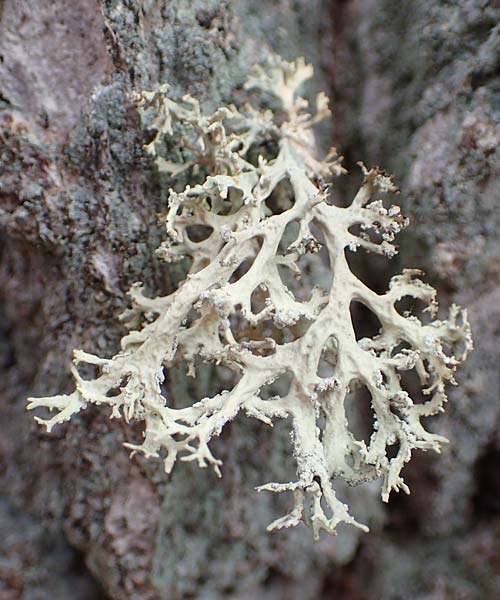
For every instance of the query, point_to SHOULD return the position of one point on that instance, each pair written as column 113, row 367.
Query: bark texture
column 422, row 98
column 416, row 90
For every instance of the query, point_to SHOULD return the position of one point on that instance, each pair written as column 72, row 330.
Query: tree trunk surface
column 416, row 89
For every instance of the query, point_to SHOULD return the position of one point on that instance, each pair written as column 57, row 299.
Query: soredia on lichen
column 254, row 173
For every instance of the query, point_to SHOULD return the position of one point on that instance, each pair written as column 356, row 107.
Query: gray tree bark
column 416, row 89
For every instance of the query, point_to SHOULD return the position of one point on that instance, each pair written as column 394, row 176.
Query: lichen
column 260, row 177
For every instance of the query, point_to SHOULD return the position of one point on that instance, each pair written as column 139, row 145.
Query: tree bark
column 421, row 98
column 416, row 90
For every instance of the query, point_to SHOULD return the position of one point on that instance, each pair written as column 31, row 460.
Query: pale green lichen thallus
column 245, row 204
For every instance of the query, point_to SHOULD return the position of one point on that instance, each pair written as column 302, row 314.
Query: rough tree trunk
column 416, row 89
column 422, row 98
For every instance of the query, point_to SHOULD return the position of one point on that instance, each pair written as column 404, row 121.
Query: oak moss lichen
column 235, row 309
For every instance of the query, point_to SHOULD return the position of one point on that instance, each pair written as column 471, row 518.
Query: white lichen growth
column 244, row 209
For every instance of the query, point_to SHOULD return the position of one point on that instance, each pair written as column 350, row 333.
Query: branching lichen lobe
column 235, row 236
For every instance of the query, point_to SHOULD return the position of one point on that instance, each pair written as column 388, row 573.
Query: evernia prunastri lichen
column 247, row 205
